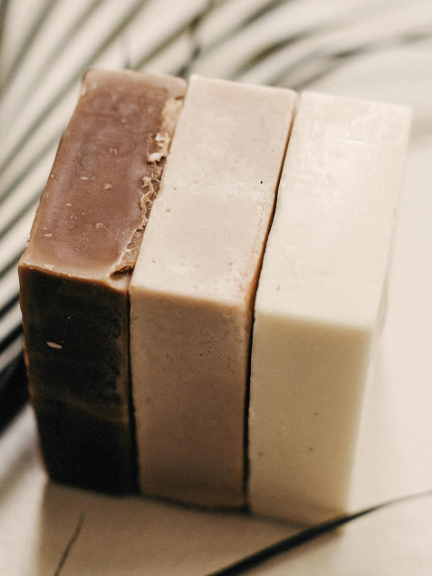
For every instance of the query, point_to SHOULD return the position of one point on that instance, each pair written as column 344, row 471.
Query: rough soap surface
column 318, row 302
column 76, row 270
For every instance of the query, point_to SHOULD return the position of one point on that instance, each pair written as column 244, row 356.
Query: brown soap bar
column 76, row 270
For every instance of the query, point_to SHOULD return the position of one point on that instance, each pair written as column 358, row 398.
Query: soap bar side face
column 193, row 287
column 318, row 303
column 190, row 409
column 75, row 273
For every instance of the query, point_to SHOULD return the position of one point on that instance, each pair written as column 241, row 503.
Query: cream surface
column 193, row 288
column 318, row 302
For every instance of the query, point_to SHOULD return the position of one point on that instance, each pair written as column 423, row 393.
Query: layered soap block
column 318, row 303
column 154, row 361
column 76, row 270
column 193, row 290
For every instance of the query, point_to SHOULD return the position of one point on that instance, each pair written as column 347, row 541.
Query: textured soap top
column 76, row 269
column 84, row 226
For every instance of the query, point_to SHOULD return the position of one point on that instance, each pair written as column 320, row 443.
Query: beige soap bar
column 318, row 302
column 193, row 288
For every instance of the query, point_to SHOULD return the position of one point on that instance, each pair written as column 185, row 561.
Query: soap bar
column 76, row 271
column 193, row 287
column 319, row 303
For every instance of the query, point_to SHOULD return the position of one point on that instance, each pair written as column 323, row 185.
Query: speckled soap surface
column 318, row 302
column 75, row 274
column 193, row 287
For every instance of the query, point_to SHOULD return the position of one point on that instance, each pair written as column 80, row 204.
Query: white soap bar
column 318, row 302
column 193, row 288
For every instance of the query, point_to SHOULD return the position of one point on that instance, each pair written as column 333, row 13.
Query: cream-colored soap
column 193, row 288
column 318, row 302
